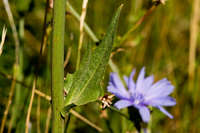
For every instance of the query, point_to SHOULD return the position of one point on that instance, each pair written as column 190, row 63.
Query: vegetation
column 56, row 59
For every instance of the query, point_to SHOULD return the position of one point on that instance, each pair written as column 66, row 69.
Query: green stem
column 57, row 70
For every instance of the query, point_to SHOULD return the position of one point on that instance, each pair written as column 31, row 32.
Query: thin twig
column 82, row 19
column 30, row 107
column 3, row 37
column 194, row 29
column 48, row 120
column 8, row 105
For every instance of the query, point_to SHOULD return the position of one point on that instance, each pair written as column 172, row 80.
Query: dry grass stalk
column 30, row 107
column 8, row 106
column 3, row 37
column 48, row 120
column 194, row 29
column 13, row 27
column 82, row 19
column 72, row 112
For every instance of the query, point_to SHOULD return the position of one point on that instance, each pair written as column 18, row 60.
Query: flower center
column 137, row 98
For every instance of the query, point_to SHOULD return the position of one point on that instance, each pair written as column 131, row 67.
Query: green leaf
column 68, row 82
column 86, row 81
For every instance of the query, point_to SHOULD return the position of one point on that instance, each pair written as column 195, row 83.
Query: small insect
column 106, row 101
column 160, row 1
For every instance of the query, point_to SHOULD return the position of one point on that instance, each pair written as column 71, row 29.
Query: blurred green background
column 162, row 43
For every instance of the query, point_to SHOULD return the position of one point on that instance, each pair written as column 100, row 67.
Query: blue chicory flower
column 142, row 94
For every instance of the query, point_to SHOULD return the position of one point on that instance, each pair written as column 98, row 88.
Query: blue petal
column 165, row 112
column 116, row 87
column 131, row 83
column 117, row 92
column 159, row 89
column 146, row 84
column 163, row 101
column 145, row 113
column 123, row 104
column 114, row 78
column 140, row 79
column 126, row 79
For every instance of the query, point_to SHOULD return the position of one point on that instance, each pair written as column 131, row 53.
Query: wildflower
column 142, row 94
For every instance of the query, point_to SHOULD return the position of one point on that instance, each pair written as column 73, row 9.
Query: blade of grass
column 48, row 120
column 82, row 19
column 19, row 94
column 67, row 56
column 138, row 23
column 41, row 94
column 13, row 27
column 16, row 64
column 8, row 105
column 194, row 29
column 30, row 107
column 38, row 115
column 3, row 37
column 86, row 27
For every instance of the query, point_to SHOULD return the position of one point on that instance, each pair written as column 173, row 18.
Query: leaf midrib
column 85, row 86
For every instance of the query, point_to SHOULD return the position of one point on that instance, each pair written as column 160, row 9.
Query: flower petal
column 123, row 104
column 116, row 87
column 165, row 112
column 163, row 101
column 145, row 113
column 114, row 78
column 146, row 84
column 160, row 88
column 126, row 79
column 131, row 83
column 117, row 92
column 140, row 79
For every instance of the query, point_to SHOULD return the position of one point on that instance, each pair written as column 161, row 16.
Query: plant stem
column 57, row 70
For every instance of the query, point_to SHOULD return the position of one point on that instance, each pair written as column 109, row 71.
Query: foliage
column 160, row 43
